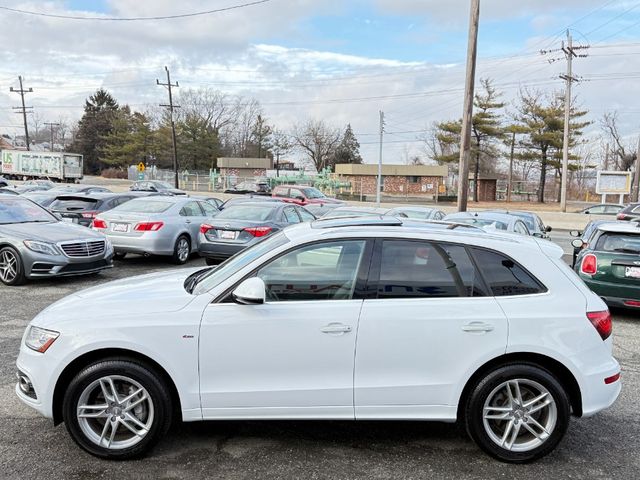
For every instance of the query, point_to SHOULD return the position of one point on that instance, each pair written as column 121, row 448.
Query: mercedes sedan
column 35, row 244
column 345, row 319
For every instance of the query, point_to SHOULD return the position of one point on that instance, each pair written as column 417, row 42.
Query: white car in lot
column 361, row 319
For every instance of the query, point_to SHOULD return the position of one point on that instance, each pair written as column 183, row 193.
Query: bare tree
column 318, row 141
column 623, row 153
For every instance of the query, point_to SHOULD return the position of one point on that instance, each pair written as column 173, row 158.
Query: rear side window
column 504, row 276
column 415, row 269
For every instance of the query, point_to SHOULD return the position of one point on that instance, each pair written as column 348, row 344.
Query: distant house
column 396, row 179
column 244, row 167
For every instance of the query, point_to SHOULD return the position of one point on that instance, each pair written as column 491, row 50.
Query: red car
column 301, row 195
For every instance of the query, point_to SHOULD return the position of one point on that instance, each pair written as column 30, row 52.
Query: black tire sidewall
column 475, row 407
column 20, row 277
column 139, row 372
column 176, row 259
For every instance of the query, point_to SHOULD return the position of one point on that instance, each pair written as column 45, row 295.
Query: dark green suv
column 610, row 263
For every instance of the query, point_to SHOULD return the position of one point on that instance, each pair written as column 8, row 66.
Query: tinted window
column 619, row 242
column 74, row 204
column 191, row 209
column 257, row 213
column 290, row 215
column 322, row 271
column 305, row 215
column 411, row 269
column 504, row 276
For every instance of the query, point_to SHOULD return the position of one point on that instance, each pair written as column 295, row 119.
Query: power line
column 132, row 19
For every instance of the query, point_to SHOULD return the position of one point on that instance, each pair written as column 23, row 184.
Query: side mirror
column 586, row 212
column 575, row 233
column 547, row 229
column 250, row 292
column 577, row 243
column 153, row 189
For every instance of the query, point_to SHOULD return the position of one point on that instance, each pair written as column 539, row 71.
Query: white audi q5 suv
column 349, row 319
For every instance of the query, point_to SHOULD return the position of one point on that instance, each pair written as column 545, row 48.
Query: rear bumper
column 220, row 251
column 149, row 242
column 596, row 394
column 613, row 294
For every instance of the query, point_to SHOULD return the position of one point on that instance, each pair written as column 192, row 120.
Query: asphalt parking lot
column 605, row 446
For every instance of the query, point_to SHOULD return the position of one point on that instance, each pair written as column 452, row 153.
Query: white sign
column 613, row 183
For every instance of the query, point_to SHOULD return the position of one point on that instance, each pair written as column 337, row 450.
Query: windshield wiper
column 626, row 250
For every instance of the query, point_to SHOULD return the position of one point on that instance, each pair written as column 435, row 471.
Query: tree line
column 209, row 124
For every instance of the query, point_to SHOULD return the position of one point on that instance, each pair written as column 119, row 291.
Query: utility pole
column 51, row 125
column 171, row 107
column 467, row 114
column 606, row 157
column 379, row 185
column 22, row 91
column 636, row 178
column 510, row 178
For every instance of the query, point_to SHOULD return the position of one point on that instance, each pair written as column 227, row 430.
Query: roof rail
column 362, row 221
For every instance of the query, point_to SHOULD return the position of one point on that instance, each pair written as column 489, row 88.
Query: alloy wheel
column 183, row 249
column 8, row 266
column 115, row 412
column 519, row 415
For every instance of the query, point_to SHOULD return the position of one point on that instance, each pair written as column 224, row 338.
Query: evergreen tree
column 93, row 128
column 348, row 151
column 130, row 140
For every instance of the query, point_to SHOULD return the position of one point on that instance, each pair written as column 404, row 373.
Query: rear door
column 193, row 218
column 431, row 324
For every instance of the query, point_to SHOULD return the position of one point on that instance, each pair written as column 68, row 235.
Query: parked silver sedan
column 34, row 243
column 490, row 221
column 163, row 225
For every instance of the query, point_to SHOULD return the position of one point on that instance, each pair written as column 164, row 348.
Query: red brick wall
column 393, row 185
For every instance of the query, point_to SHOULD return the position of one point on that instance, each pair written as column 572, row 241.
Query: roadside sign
column 140, row 176
column 141, row 167
column 613, row 183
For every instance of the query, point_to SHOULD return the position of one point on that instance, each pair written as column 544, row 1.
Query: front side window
column 191, row 209
column 417, row 269
column 504, row 276
column 321, row 271
column 520, row 228
column 209, row 210
column 291, row 216
column 306, row 215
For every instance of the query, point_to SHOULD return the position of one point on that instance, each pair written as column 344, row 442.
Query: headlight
column 40, row 339
column 42, row 247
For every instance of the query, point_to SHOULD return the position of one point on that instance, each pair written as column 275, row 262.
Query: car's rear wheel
column 181, row 250
column 117, row 409
column 517, row 413
column 11, row 267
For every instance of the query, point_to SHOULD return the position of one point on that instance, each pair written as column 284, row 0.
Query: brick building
column 244, row 167
column 487, row 188
column 396, row 179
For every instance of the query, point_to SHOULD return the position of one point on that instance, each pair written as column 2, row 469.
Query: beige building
column 396, row 179
column 244, row 167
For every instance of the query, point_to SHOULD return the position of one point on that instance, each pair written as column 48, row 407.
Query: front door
column 293, row 355
column 432, row 323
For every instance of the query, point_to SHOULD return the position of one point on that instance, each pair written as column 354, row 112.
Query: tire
column 491, row 391
column 211, row 261
column 11, row 267
column 88, row 388
column 178, row 256
column 119, row 255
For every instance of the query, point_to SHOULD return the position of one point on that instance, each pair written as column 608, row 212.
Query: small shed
column 487, row 188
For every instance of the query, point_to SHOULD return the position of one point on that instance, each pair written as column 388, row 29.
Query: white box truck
column 56, row 166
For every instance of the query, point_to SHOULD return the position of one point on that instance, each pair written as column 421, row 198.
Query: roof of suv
column 619, row 227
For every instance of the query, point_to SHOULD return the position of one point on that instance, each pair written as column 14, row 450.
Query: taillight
column 612, row 379
column 148, row 226
column 632, row 303
column 258, row 231
column 620, row 216
column 89, row 214
column 99, row 223
column 204, row 228
column 589, row 264
column 602, row 322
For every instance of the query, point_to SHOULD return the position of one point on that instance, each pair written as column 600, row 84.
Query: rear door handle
column 187, row 221
column 477, row 327
column 335, row 328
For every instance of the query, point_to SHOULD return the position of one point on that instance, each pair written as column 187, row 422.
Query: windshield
column 256, row 213
column 238, row 262
column 18, row 210
column 143, row 206
column 619, row 242
column 419, row 214
column 313, row 193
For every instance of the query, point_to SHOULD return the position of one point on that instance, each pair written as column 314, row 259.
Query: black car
column 240, row 226
column 249, row 199
column 83, row 208
column 77, row 188
column 256, row 188
column 630, row 212
column 156, row 186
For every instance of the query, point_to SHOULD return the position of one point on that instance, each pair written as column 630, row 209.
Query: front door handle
column 477, row 327
column 335, row 329
column 187, row 221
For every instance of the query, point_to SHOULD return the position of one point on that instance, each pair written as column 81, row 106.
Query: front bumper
column 37, row 265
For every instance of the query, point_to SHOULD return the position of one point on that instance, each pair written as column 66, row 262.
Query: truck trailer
column 27, row 165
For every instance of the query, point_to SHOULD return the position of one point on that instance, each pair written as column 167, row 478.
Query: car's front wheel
column 117, row 408
column 517, row 413
column 11, row 267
